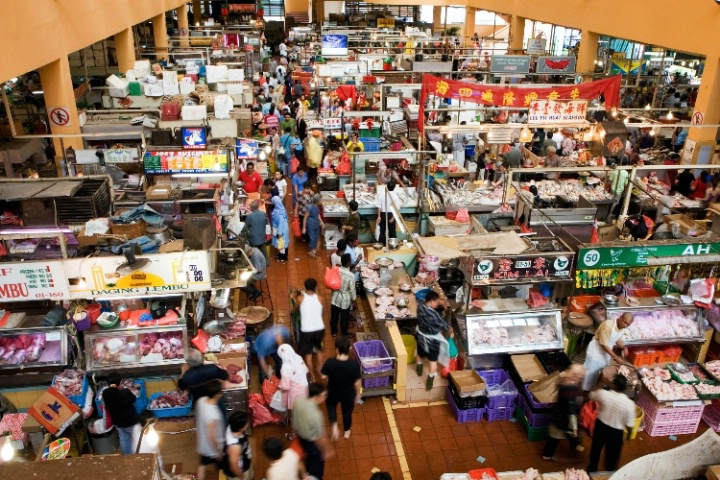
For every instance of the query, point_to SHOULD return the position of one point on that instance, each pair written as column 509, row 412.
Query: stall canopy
column 517, row 96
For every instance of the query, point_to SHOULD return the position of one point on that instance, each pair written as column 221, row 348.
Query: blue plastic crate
column 140, row 401
column 498, row 377
column 78, row 400
column 372, row 147
column 369, row 140
column 495, row 414
column 169, row 412
column 464, row 416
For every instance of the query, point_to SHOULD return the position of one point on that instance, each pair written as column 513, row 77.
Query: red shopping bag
column 588, row 414
column 297, row 231
column 332, row 278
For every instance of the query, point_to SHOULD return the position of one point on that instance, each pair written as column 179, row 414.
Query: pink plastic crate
column 464, row 416
column 663, row 430
column 711, row 416
column 495, row 414
column 667, row 416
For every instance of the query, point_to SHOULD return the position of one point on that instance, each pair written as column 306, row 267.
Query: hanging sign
column 536, row 46
column 23, row 281
column 555, row 111
column 194, row 138
column 185, row 161
column 592, row 258
column 246, row 149
column 555, row 65
column 167, row 273
column 520, row 96
column 630, row 67
column 510, row 64
column 333, row 122
column 541, row 268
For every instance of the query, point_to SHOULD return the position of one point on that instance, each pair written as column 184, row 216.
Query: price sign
column 24, row 281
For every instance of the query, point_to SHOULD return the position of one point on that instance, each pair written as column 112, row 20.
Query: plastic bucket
column 93, row 310
column 410, row 345
column 639, row 416
column 81, row 320
column 105, row 443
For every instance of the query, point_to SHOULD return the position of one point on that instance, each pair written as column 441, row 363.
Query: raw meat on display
column 669, row 391
column 235, row 374
column 109, row 349
column 170, row 400
column 713, row 367
column 129, row 384
column 662, row 324
column 652, row 373
column 496, row 336
column 169, row 344
column 705, row 389
column 25, row 348
column 70, row 382
column 235, row 330
column 698, row 372
column 573, row 474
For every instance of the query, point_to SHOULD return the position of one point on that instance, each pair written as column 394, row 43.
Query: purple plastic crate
column 498, row 377
column 366, row 351
column 495, row 414
column 464, row 416
column 534, row 419
column 535, row 404
column 379, row 382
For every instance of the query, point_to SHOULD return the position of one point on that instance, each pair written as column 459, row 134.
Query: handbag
column 296, row 229
column 332, row 278
column 283, row 149
column 294, row 165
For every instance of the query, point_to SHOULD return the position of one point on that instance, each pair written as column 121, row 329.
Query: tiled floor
column 442, row 445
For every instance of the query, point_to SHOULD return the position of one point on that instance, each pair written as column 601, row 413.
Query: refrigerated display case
column 31, row 345
column 135, row 347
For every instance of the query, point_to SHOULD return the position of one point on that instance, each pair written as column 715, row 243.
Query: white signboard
column 334, row 122
column 556, row 111
column 25, row 281
column 536, row 46
column 167, row 273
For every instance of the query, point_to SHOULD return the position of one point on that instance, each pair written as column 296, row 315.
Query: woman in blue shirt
column 299, row 179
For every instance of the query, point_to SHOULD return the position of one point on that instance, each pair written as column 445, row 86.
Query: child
column 239, row 455
column 284, row 464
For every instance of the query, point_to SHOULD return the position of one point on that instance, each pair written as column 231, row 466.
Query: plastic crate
column 366, row 352
column 711, row 416
column 482, row 474
column 643, row 356
column 495, row 414
column 372, row 147
column 375, row 382
column 464, row 403
column 641, row 290
column 369, row 132
column 498, row 377
column 534, row 433
column 553, row 361
column 581, row 303
column 78, row 400
column 677, row 378
column 667, row 416
column 169, row 412
column 534, row 404
column 535, row 419
column 662, row 430
column 140, row 401
column 669, row 354
column 464, row 416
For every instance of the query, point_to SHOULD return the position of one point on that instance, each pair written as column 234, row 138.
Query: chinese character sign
column 554, row 111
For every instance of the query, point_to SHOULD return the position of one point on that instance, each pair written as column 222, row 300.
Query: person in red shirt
column 250, row 178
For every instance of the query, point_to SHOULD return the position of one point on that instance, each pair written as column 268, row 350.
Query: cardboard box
column 545, row 390
column 713, row 472
column 158, row 192
column 86, row 240
column 528, row 367
column 608, row 233
column 467, row 381
column 687, row 224
column 194, row 112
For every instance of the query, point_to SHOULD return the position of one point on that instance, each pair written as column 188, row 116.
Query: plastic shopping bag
column 296, row 229
column 332, row 278
column 276, row 403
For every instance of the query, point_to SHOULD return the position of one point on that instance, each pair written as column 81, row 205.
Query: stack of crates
column 371, row 144
column 499, row 407
column 661, row 421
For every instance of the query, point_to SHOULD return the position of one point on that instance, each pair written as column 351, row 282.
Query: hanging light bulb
column 614, row 113
column 648, row 107
column 525, row 135
column 652, row 132
column 7, row 451
column 152, row 436
column 627, row 120
column 449, row 135
column 262, row 156
column 670, row 115
column 268, row 149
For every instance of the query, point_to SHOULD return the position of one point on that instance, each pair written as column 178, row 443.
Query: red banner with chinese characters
column 517, row 96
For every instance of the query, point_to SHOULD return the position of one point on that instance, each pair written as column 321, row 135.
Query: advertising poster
column 334, row 45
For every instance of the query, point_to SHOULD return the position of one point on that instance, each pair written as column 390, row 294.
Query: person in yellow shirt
column 355, row 145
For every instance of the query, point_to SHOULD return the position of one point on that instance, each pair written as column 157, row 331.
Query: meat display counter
column 656, row 323
column 135, row 347
column 32, row 345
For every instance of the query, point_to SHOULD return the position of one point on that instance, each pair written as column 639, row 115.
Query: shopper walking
column 256, row 224
column 307, row 420
column 298, row 180
column 431, row 343
column 280, row 229
column 608, row 336
column 120, row 406
column 312, row 328
column 304, row 200
column 385, row 218
column 209, row 428
column 343, row 298
column 284, row 463
column 293, row 375
column 238, row 463
column 196, row 376
column 343, row 386
column 351, row 225
column 313, row 225
column 564, row 424
column 615, row 413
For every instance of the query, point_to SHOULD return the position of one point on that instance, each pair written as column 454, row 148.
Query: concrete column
column 317, row 11
column 197, row 12
column 517, row 32
column 125, row 49
column 437, row 24
column 60, row 104
column 708, row 106
column 470, row 28
column 160, row 36
column 183, row 25
column 588, row 54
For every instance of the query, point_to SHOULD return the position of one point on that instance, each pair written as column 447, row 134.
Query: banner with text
column 23, row 281
column 599, row 257
column 553, row 111
column 167, row 273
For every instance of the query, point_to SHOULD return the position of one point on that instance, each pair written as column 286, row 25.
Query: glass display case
column 33, row 345
column 135, row 347
column 656, row 323
column 514, row 332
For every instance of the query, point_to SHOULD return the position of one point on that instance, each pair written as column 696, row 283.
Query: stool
column 264, row 288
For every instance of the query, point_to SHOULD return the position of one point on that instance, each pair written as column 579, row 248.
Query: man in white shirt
column 283, row 50
column 616, row 412
column 285, row 464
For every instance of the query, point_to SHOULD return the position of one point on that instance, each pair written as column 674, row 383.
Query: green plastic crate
column 534, row 433
column 369, row 132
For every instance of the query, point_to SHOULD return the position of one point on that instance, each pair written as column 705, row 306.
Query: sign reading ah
column 637, row 256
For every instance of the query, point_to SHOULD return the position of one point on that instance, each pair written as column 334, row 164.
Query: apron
column 444, row 354
column 597, row 358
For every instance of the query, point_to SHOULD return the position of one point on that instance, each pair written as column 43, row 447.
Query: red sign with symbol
column 59, row 116
column 697, row 118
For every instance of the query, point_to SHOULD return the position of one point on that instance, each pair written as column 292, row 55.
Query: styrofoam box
column 115, row 81
column 216, row 73
column 152, row 90
column 194, row 112
column 236, row 75
column 119, row 92
column 142, row 68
